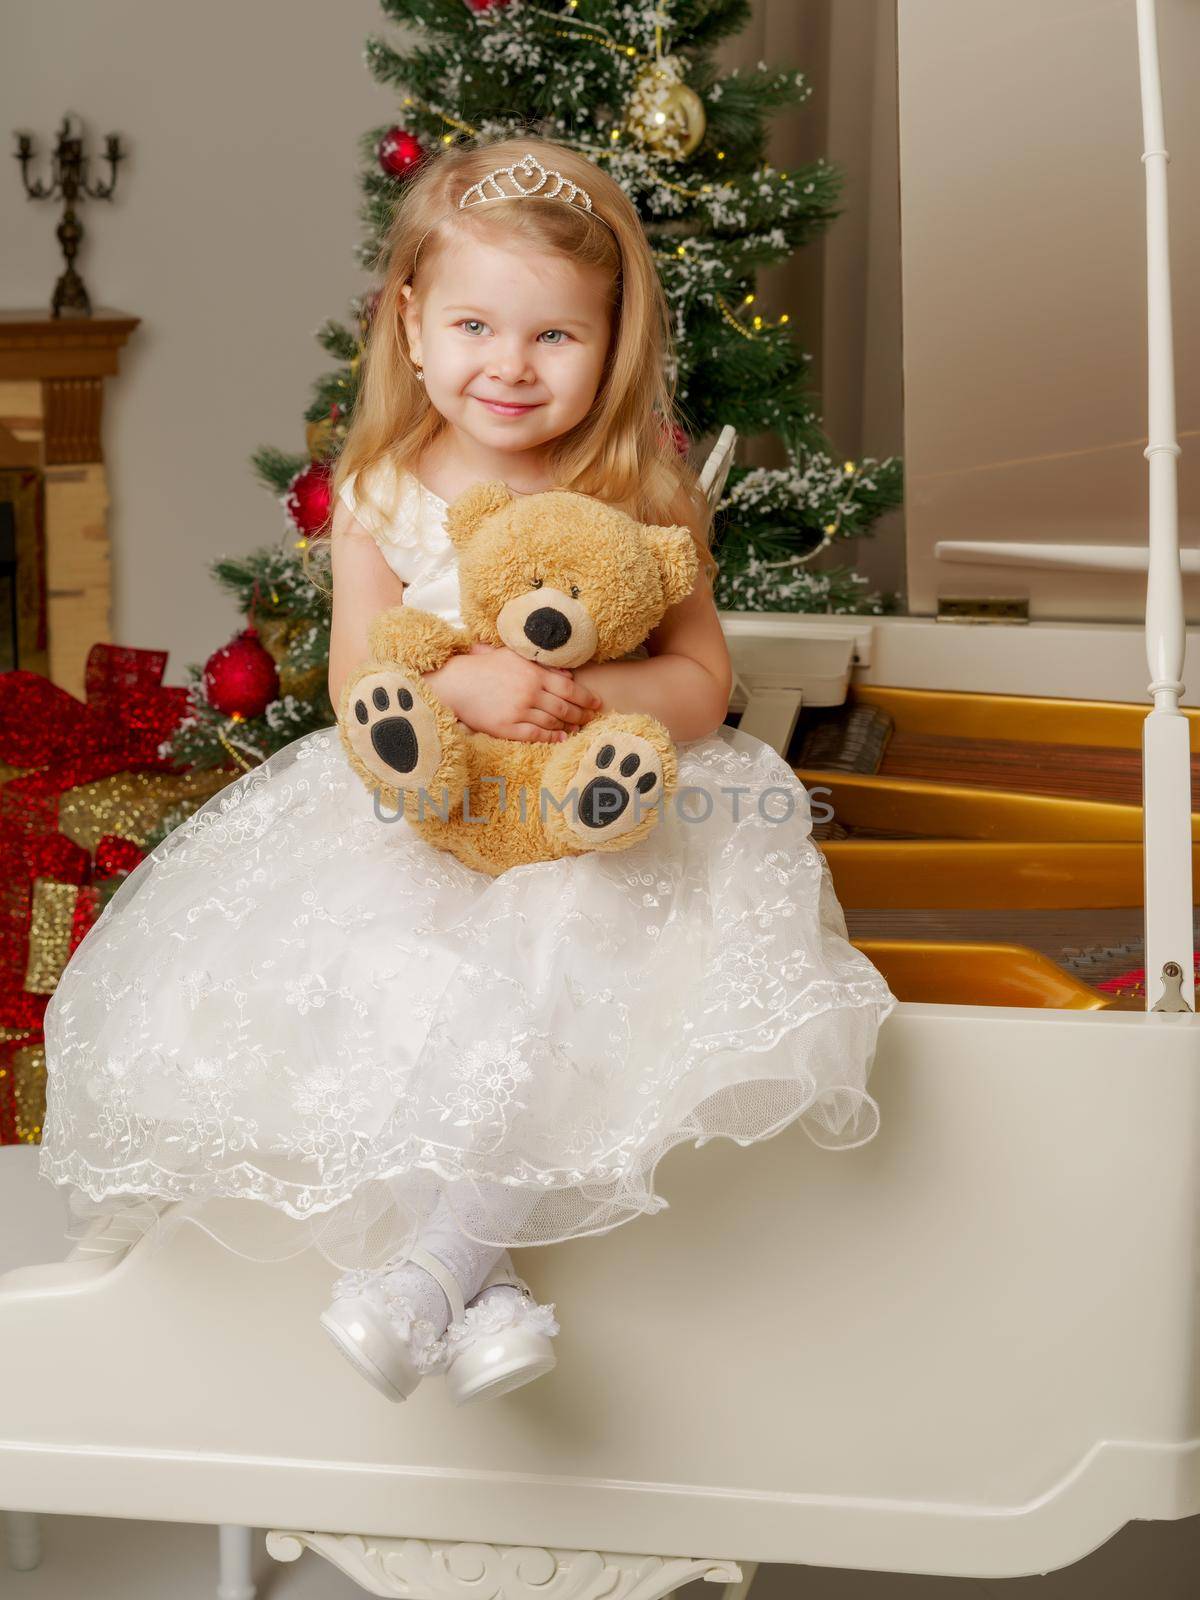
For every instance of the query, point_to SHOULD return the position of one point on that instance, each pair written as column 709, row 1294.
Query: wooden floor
column 1081, row 772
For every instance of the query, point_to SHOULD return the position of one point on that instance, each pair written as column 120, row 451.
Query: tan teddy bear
column 563, row 579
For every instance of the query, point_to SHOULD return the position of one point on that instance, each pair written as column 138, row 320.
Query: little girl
column 410, row 1065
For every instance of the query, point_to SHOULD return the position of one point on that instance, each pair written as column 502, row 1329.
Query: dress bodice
column 408, row 522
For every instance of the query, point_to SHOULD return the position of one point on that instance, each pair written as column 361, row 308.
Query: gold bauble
column 321, row 437
column 273, row 634
column 304, row 685
column 278, row 634
column 665, row 113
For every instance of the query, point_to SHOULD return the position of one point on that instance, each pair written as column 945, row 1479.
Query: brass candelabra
column 69, row 183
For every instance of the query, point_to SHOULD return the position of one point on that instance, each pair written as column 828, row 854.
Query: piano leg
column 730, row 1591
column 421, row 1569
column 236, row 1550
column 23, row 1536
column 739, row 1590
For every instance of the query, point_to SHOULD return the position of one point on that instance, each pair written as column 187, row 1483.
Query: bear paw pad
column 619, row 783
column 393, row 730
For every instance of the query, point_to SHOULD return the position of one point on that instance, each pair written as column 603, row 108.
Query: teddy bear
column 563, row 579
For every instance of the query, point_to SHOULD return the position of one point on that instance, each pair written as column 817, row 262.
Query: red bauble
column 485, row 5
column 400, row 153
column 241, row 678
column 678, row 438
column 308, row 499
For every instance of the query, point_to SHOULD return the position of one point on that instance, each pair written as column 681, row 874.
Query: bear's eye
column 574, row 591
column 537, row 583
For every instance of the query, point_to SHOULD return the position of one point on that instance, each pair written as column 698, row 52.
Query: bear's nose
column 547, row 628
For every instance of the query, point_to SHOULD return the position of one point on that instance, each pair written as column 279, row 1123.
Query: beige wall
column 232, row 235
column 1024, row 286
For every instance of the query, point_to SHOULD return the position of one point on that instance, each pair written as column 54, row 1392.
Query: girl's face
column 512, row 341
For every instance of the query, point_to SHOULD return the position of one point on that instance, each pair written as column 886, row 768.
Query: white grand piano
column 969, row 1347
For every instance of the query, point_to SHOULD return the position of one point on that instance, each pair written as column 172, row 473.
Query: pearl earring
column 420, row 372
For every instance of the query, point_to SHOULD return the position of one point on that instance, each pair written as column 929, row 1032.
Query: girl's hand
column 497, row 691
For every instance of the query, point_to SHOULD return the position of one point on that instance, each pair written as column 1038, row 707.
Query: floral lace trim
column 300, row 1201
column 497, row 1312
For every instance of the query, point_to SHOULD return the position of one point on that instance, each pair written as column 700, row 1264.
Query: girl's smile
column 505, row 408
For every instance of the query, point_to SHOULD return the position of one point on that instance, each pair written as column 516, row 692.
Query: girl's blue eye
column 474, row 322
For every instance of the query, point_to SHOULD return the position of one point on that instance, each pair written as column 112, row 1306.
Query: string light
column 592, row 37
column 453, row 122
column 675, row 188
column 233, row 751
column 600, row 34
column 727, row 314
column 731, row 318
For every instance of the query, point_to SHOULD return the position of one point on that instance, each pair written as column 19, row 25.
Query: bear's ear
column 674, row 551
column 470, row 508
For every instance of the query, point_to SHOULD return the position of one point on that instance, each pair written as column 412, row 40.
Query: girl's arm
column 363, row 586
column 687, row 681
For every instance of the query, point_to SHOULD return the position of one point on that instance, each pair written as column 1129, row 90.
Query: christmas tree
column 634, row 86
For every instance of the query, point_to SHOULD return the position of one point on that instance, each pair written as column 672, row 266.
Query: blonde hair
column 622, row 452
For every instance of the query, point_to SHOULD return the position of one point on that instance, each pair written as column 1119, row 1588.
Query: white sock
column 468, row 1260
column 415, row 1301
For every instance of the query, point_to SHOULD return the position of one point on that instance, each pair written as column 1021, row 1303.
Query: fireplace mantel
column 52, row 372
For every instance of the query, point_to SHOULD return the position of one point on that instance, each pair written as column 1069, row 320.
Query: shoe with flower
column 376, row 1330
column 500, row 1341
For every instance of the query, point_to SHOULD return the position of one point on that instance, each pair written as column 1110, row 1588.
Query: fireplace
column 55, row 584
column 23, row 637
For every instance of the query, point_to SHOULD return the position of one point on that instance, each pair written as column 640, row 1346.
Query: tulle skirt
column 296, row 1000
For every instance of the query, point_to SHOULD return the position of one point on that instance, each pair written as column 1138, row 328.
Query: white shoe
column 498, row 1344
column 377, row 1332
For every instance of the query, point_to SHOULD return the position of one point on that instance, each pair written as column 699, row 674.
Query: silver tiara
column 547, row 185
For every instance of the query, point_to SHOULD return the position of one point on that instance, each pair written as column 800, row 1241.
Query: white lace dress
column 293, row 1002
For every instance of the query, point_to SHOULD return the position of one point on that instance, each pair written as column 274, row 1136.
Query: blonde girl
column 409, row 1065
